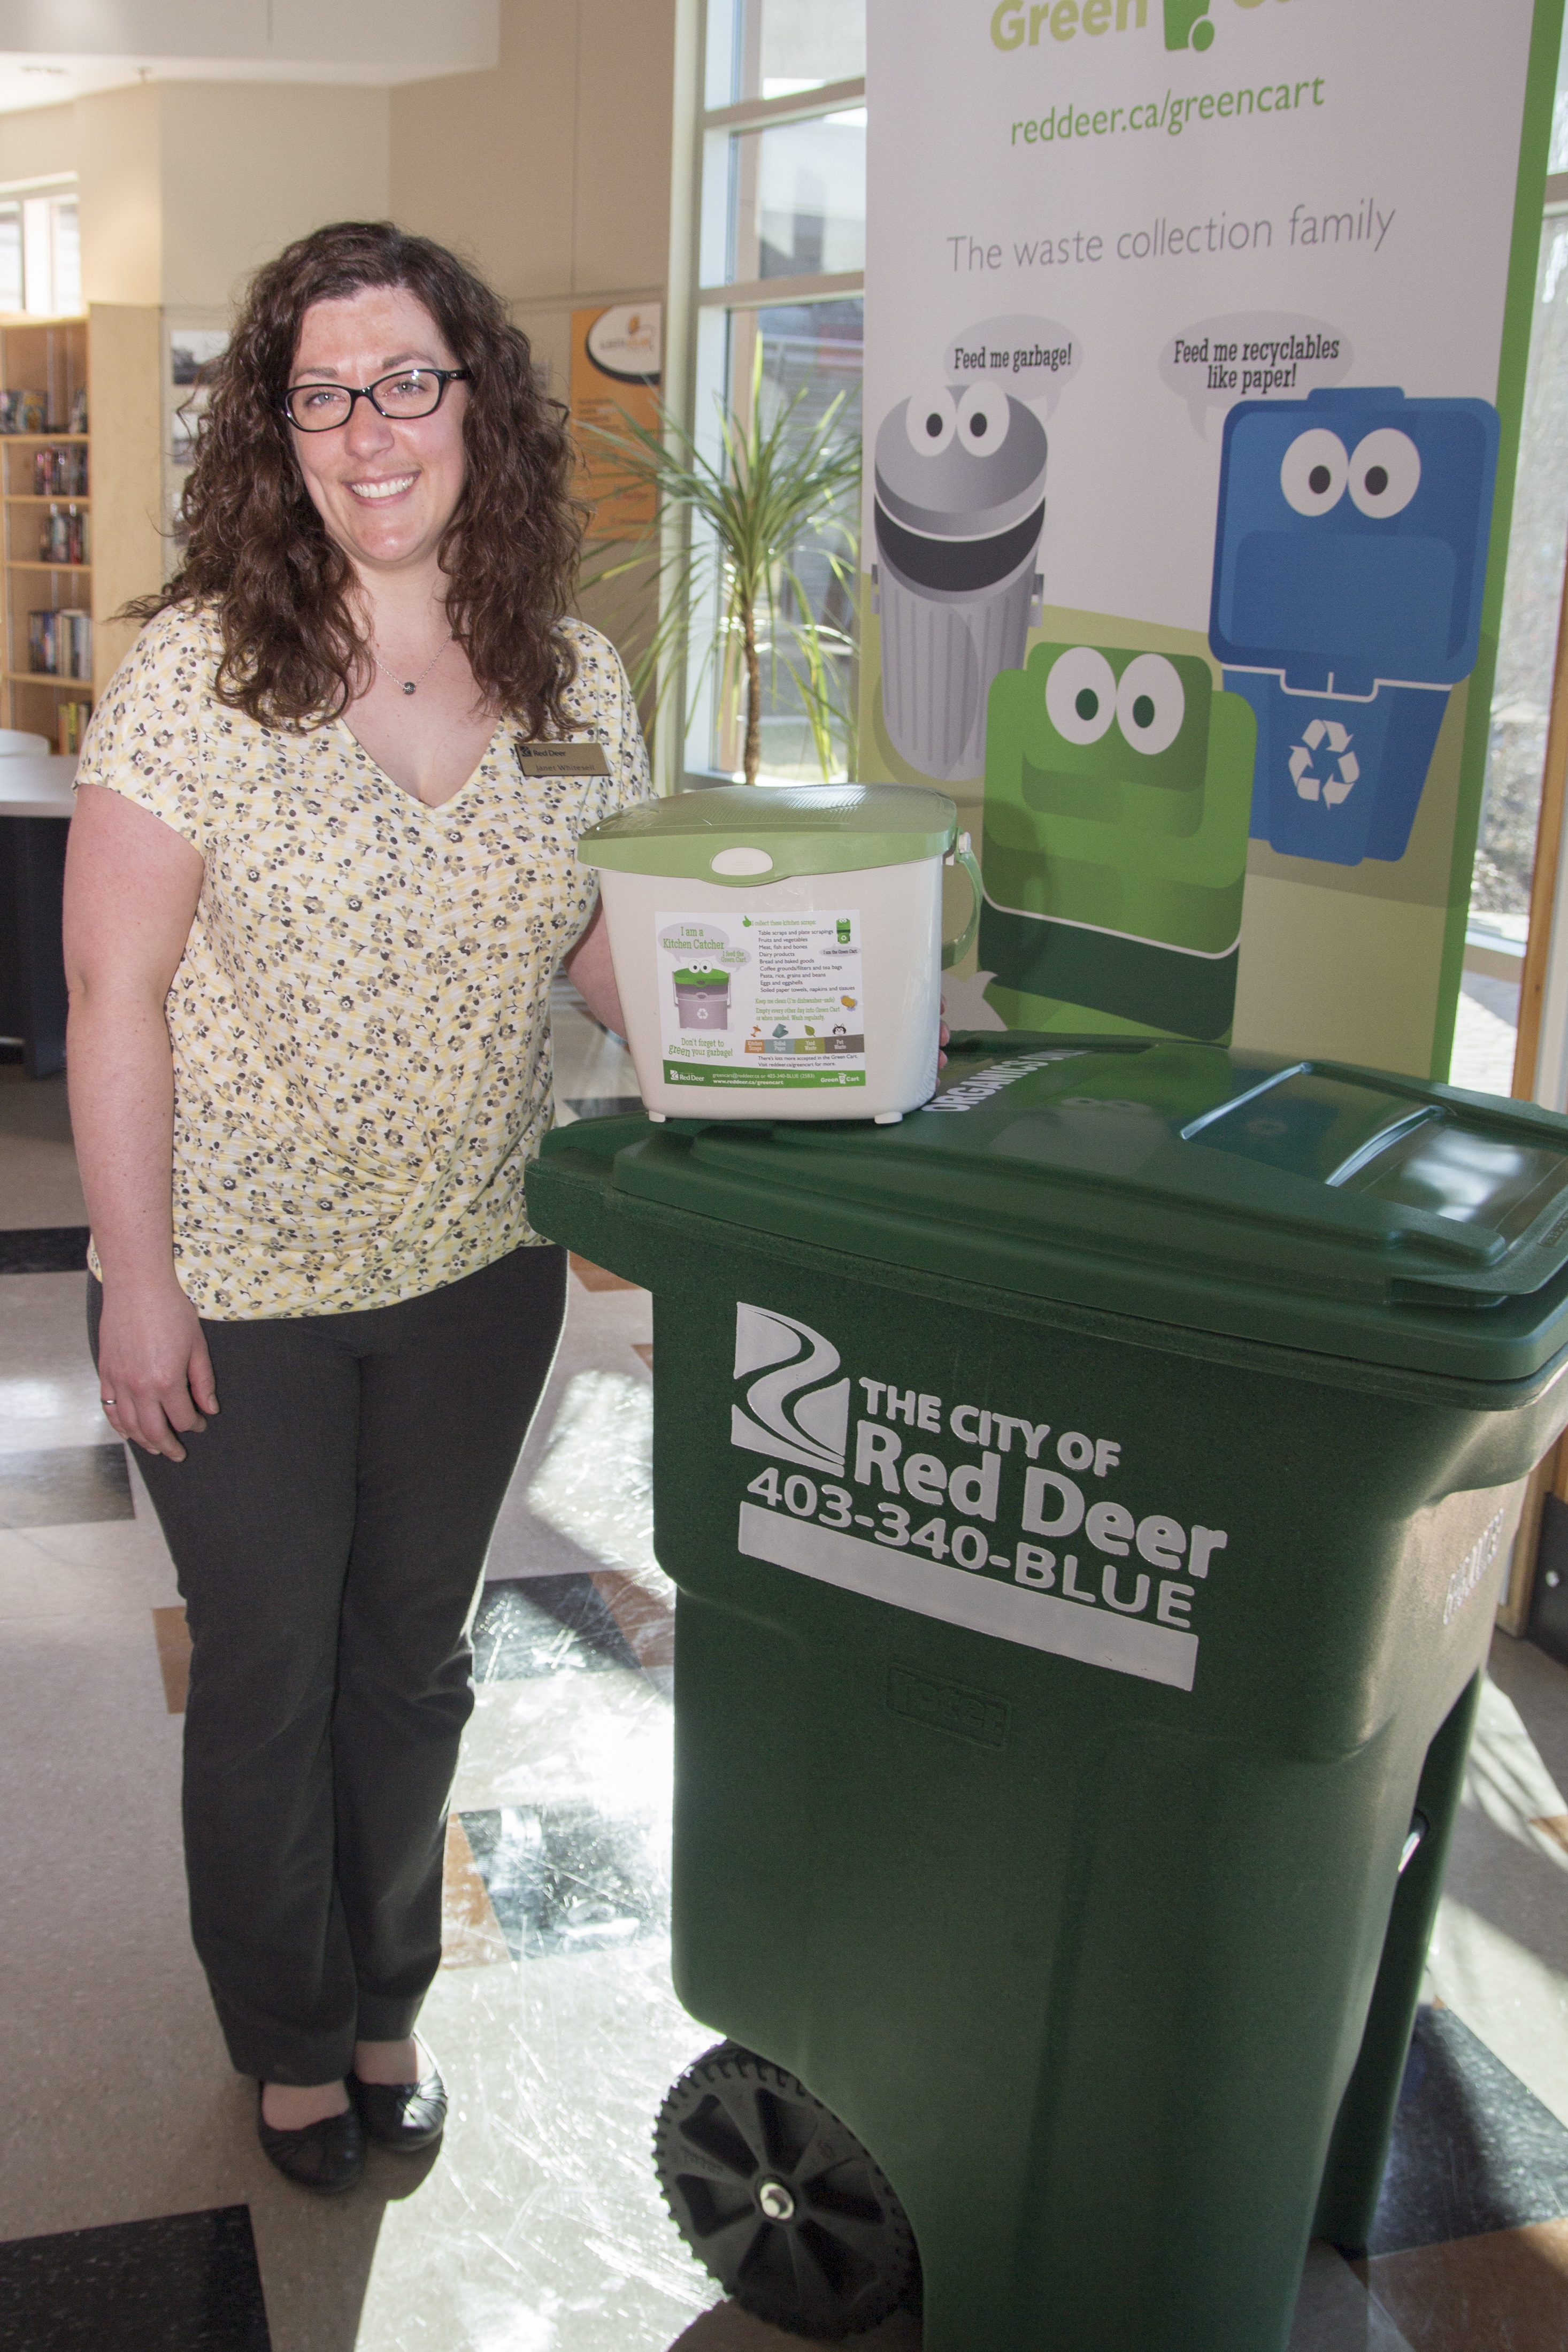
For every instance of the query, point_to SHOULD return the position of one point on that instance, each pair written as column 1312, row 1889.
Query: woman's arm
column 593, row 975
column 131, row 887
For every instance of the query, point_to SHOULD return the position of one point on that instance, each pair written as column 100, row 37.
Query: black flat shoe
column 328, row 2157
column 407, row 2117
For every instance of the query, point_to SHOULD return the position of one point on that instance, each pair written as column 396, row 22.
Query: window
column 780, row 274
column 1487, row 1017
column 40, row 252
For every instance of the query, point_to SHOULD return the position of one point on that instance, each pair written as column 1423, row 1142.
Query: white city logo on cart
column 791, row 1413
column 1344, row 767
column 958, row 1511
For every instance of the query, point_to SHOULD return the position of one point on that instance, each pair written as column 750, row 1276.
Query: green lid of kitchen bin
column 796, row 828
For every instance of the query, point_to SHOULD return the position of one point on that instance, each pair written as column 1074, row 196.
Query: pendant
column 409, row 685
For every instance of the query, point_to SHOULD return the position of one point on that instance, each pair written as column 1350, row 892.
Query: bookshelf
column 80, row 507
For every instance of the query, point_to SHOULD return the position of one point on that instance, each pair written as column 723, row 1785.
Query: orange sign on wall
column 616, row 355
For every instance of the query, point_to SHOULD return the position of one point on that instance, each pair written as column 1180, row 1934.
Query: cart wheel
column 779, row 2199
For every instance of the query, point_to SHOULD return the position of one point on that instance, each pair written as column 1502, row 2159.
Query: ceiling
column 55, row 51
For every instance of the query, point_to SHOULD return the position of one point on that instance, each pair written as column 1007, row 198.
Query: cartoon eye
column 931, row 417
column 1081, row 695
column 1386, row 472
column 1150, row 703
column 1313, row 471
column 983, row 418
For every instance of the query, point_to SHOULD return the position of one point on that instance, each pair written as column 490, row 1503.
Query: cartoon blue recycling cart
column 1350, row 556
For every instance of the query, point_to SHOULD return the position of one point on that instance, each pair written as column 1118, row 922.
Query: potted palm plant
column 777, row 485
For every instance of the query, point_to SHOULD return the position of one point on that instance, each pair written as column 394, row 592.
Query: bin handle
column 954, row 950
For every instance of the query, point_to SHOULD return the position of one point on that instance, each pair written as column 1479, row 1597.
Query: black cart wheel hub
column 779, row 2199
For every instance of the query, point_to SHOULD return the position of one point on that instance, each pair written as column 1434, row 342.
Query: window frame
column 37, row 203
column 697, row 313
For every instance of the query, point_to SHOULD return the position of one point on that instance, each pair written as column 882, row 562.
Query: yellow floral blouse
column 361, row 1017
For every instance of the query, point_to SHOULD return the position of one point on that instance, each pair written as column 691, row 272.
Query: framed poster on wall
column 1195, row 348
column 616, row 357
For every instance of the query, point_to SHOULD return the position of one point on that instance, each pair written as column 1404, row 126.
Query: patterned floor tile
column 645, row 1615
column 597, row 1277
column 470, row 1932
column 1506, row 2291
column 44, row 1249
column 1473, row 2150
column 173, row 1637
column 184, row 2283
column 63, row 1486
column 567, row 1878
column 547, row 1625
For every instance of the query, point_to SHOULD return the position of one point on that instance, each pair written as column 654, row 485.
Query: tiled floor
column 136, row 2211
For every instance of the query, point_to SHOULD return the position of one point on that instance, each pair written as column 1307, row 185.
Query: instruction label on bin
column 948, row 1506
column 761, row 1000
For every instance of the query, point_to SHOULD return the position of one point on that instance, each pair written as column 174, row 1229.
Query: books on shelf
column 63, row 536
column 60, row 473
column 70, row 725
column 24, row 411
column 59, row 641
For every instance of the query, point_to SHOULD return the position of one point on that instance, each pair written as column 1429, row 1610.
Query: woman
column 322, row 874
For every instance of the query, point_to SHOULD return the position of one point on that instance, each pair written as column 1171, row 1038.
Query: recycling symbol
column 1346, row 768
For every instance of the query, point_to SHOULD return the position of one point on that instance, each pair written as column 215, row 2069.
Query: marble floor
column 137, row 2213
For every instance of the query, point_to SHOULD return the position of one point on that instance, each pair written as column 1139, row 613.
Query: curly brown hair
column 293, row 652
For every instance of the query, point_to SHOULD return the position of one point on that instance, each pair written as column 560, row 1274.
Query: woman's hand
column 942, row 1034
column 131, row 887
column 593, row 975
column 155, row 1374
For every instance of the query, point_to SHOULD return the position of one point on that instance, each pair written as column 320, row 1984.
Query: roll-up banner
column 1197, row 338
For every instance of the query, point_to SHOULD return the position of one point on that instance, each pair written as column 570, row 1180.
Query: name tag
column 562, row 759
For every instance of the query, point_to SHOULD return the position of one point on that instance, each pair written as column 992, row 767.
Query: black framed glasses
column 410, row 392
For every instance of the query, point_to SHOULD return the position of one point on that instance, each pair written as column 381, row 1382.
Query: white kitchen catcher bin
column 821, row 905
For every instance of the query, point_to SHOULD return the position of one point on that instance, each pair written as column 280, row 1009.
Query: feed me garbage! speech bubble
column 1117, row 790
column 1350, row 554
column 958, row 507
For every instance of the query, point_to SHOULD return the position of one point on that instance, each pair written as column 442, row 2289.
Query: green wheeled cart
column 1087, row 1501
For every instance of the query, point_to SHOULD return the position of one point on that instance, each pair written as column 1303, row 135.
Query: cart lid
column 743, row 835
column 1308, row 1203
column 1351, row 537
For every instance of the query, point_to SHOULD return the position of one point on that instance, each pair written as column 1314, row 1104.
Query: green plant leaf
column 776, row 490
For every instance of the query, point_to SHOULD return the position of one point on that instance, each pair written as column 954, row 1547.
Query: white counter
column 37, row 785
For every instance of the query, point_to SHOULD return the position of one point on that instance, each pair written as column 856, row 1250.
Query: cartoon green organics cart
column 703, row 999
column 1118, row 798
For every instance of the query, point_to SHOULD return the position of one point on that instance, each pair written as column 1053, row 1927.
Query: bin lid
column 746, row 835
column 1351, row 537
column 1308, row 1203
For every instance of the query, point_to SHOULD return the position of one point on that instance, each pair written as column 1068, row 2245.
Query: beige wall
column 247, row 166
column 118, row 144
column 36, row 142
column 552, row 171
column 186, row 186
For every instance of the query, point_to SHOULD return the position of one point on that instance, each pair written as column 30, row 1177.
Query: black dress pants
column 329, row 1528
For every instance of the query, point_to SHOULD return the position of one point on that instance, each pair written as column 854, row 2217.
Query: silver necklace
column 408, row 683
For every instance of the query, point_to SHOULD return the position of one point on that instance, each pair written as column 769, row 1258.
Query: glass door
column 1487, row 1030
